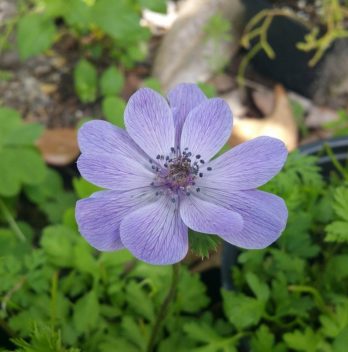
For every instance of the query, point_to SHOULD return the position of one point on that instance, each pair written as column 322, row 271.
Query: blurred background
column 282, row 66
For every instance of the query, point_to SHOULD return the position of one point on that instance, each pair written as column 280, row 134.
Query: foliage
column 20, row 162
column 115, row 24
column 109, row 37
column 58, row 294
column 339, row 126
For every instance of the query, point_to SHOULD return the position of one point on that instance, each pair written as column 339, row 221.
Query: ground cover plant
column 58, row 294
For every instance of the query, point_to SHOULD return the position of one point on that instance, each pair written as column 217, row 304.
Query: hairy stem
column 164, row 309
column 11, row 221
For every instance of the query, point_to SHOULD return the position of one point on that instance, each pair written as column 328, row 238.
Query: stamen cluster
column 176, row 172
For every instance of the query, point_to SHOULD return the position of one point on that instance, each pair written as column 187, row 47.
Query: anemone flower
column 161, row 178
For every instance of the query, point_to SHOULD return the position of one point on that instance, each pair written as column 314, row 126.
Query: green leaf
column 263, row 340
column 336, row 322
column 116, row 18
column 341, row 203
column 201, row 331
column 57, row 242
column 260, row 289
column 50, row 196
column 337, row 231
column 208, row 89
column 113, row 109
column 112, row 344
column 54, row 8
column 242, row 311
column 202, row 244
column 9, row 121
column 24, row 135
column 77, row 13
column 85, row 261
column 337, row 268
column 42, row 339
column 85, row 79
column 341, row 341
column 9, row 178
column 302, row 341
column 293, row 267
column 191, row 295
column 134, row 332
column 207, row 335
column 30, row 167
column 35, row 34
column 111, row 82
column 153, row 83
column 17, row 166
column 154, row 5
column 86, row 313
column 84, row 188
column 139, row 301
column 299, row 245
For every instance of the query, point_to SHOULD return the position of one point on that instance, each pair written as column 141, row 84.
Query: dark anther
column 198, row 189
column 200, row 174
column 162, row 157
column 209, row 168
column 198, row 156
column 153, row 167
column 150, row 161
column 187, row 193
column 158, row 157
column 186, row 148
column 173, row 200
column 165, row 165
column 167, row 157
column 152, row 183
column 202, row 161
column 172, row 149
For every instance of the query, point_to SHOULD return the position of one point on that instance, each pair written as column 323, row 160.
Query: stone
column 187, row 53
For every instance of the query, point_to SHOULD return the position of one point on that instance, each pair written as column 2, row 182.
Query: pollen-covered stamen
column 177, row 173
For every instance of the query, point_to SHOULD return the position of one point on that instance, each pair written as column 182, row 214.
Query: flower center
column 176, row 173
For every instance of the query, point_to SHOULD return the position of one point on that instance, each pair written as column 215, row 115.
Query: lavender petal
column 99, row 216
column 102, row 137
column 207, row 128
column 182, row 99
column 149, row 122
column 114, row 171
column 155, row 233
column 264, row 215
column 206, row 217
column 246, row 166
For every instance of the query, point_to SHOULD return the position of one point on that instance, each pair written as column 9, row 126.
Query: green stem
column 163, row 311
column 334, row 160
column 11, row 221
column 318, row 299
column 244, row 63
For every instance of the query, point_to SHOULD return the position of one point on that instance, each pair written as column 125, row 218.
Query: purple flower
column 161, row 178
